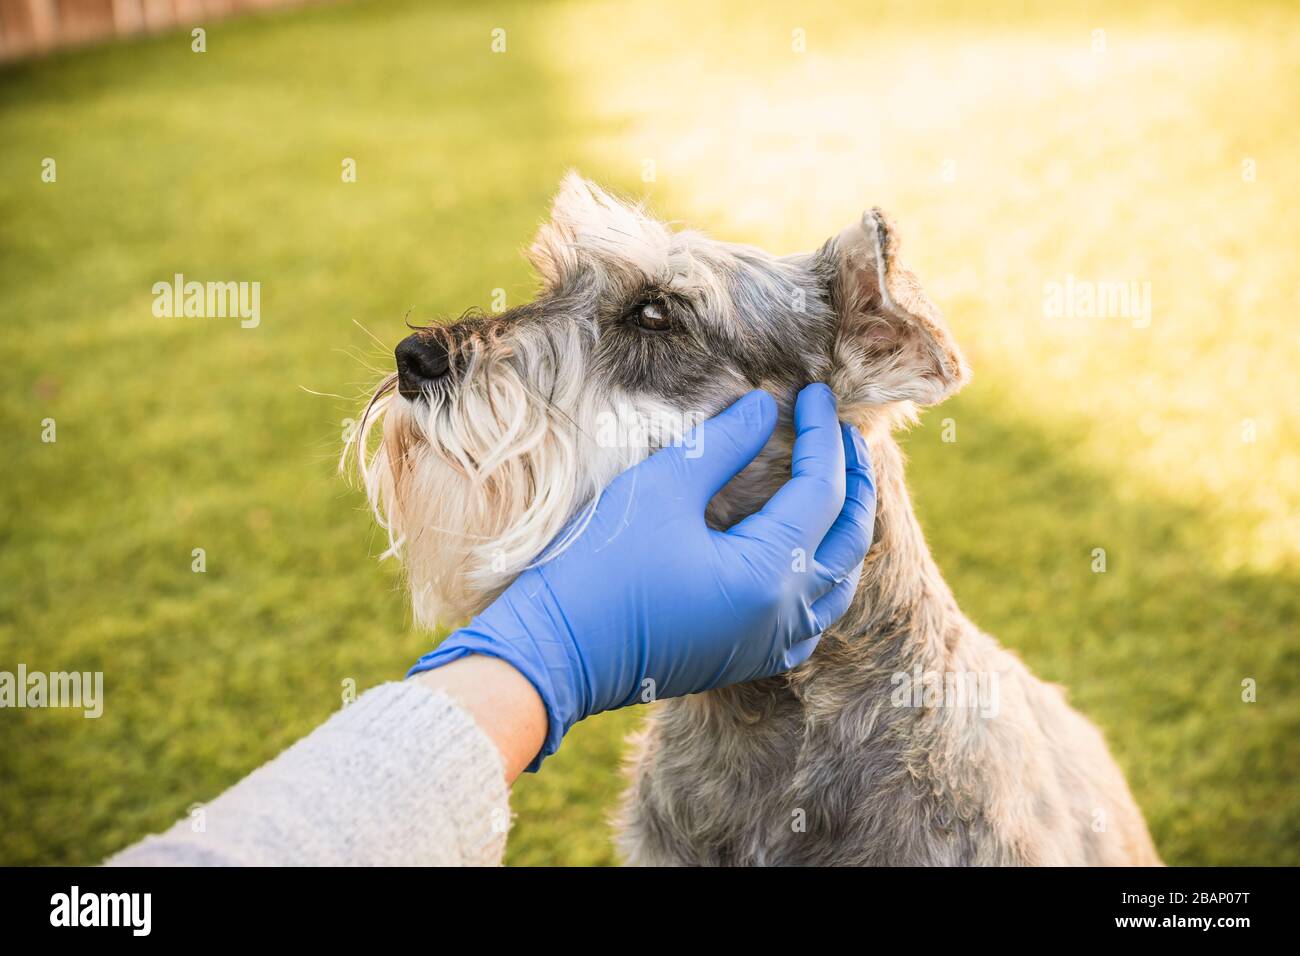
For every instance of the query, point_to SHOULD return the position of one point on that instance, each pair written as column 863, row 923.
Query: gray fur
column 724, row 778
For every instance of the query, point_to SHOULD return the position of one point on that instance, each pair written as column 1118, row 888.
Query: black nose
column 420, row 363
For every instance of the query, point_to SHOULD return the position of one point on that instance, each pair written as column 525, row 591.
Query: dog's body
column 827, row 766
column 858, row 756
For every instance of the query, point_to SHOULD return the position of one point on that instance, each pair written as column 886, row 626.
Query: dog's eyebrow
column 644, row 292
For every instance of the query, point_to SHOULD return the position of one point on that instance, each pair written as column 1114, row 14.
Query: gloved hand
column 649, row 602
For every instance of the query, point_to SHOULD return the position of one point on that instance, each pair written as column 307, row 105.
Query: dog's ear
column 892, row 344
column 589, row 227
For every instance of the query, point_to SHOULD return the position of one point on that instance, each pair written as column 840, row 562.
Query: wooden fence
column 32, row 27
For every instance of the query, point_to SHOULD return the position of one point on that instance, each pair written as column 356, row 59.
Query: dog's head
column 497, row 430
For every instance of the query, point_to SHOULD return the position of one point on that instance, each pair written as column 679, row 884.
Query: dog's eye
column 653, row 316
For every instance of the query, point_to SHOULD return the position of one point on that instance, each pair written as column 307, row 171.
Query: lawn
column 1015, row 150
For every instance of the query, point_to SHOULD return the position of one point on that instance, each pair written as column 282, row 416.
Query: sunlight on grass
column 1014, row 157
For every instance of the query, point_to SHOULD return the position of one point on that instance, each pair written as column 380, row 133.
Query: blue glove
column 649, row 602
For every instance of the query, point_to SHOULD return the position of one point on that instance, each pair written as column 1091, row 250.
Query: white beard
column 473, row 485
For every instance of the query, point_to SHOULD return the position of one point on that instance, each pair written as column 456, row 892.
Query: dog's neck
column 902, row 616
column 903, row 607
column 904, row 611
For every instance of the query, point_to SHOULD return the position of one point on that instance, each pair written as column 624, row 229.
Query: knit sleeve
column 401, row 777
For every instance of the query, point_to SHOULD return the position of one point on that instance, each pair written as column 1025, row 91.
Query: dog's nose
column 420, row 363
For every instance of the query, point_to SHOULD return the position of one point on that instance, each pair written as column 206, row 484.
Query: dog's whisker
column 312, row 391
column 377, row 340
column 359, row 358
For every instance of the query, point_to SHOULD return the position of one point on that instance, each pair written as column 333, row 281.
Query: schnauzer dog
column 910, row 736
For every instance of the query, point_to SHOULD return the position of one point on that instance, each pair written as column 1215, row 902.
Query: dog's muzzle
column 421, row 363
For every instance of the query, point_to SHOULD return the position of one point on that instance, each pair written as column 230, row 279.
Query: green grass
column 175, row 434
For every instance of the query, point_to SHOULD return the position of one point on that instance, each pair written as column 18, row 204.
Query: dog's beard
column 498, row 471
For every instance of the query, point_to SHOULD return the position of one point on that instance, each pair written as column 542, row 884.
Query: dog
column 869, row 753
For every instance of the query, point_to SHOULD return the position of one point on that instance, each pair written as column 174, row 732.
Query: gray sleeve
column 401, row 777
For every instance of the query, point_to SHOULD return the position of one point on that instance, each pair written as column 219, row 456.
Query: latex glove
column 650, row 603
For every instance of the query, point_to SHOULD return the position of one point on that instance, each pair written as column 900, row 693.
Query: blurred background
column 1021, row 149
